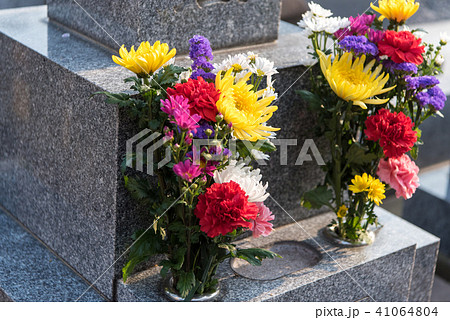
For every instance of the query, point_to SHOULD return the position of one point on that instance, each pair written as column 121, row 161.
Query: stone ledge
column 384, row 270
column 30, row 272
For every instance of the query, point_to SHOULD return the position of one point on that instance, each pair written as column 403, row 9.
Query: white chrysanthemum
column 318, row 10
column 318, row 24
column 439, row 60
column 249, row 180
column 263, row 67
column 239, row 62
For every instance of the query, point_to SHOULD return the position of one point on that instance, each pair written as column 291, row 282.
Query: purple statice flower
column 186, row 170
column 404, row 67
column 200, row 134
column 375, row 36
column 358, row 26
column 434, row 97
column 423, row 82
column 200, row 53
column 359, row 45
column 204, row 74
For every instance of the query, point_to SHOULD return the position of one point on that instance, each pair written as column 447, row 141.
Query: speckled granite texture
column 381, row 272
column 226, row 23
column 30, row 272
column 60, row 150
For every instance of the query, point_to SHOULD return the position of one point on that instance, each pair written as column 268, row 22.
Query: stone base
column 399, row 266
column 30, row 272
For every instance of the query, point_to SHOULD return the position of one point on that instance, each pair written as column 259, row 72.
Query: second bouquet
column 212, row 120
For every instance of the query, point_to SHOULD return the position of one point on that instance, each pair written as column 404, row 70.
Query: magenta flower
column 261, row 225
column 359, row 26
column 375, row 36
column 168, row 136
column 185, row 120
column 174, row 103
column 187, row 171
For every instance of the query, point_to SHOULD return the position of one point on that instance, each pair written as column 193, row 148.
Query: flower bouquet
column 375, row 86
column 211, row 118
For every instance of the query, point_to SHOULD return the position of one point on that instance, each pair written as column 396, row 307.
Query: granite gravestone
column 227, row 23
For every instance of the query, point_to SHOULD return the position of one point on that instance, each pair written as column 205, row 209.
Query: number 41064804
column 404, row 311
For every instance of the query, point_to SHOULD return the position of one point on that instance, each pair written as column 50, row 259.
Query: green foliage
column 245, row 147
column 254, row 256
column 313, row 101
column 146, row 244
column 359, row 155
column 186, row 281
column 316, row 198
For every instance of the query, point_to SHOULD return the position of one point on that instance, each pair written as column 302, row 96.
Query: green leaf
column 186, row 281
column 254, row 256
column 357, row 154
column 245, row 147
column 230, row 247
column 316, row 198
column 146, row 245
column 414, row 152
column 140, row 189
column 168, row 75
column 314, row 101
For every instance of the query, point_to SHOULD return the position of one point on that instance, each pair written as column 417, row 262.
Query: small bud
column 219, row 118
column 176, row 146
column 194, row 186
column 208, row 132
column 207, row 156
column 184, row 190
column 145, row 88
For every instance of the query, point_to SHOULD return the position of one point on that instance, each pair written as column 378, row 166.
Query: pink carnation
column 261, row 225
column 401, row 174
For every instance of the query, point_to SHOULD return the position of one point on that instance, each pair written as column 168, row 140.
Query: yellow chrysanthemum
column 146, row 59
column 361, row 183
column 241, row 107
column 367, row 183
column 376, row 192
column 352, row 81
column 342, row 212
column 396, row 10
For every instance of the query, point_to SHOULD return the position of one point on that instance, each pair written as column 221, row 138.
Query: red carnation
column 224, row 208
column 202, row 97
column 401, row 47
column 393, row 130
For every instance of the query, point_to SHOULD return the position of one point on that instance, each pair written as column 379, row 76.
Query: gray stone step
column 31, row 272
column 398, row 266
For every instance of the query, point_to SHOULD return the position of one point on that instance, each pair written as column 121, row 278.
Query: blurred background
column 430, row 208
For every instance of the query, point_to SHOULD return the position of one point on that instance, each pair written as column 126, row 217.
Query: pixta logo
column 144, row 152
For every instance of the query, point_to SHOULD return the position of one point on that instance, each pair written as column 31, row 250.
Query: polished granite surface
column 380, row 272
column 31, row 27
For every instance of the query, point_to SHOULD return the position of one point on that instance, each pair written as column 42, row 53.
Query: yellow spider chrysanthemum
column 361, row 183
column 352, row 81
column 342, row 212
column 376, row 192
column 396, row 10
column 241, row 107
column 146, row 59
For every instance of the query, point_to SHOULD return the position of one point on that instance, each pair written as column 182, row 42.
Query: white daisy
column 249, row 180
column 263, row 67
